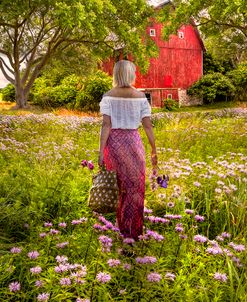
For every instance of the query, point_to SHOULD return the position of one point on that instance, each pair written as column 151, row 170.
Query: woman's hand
column 154, row 159
column 101, row 159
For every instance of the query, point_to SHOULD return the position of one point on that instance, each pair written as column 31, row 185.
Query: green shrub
column 94, row 88
column 238, row 77
column 213, row 87
column 170, row 105
column 8, row 93
column 61, row 95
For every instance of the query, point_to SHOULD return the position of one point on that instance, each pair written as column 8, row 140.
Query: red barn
column 178, row 66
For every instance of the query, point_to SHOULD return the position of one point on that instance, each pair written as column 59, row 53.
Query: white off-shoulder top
column 125, row 113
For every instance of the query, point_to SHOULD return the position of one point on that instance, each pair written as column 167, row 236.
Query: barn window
column 169, row 96
column 152, row 32
column 181, row 35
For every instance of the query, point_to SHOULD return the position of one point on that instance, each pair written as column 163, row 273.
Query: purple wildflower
column 33, row 255
column 225, row 235
column 189, row 211
column 220, row 277
column 84, row 163
column 237, row 247
column 61, row 268
column 16, row 250
column 90, row 165
column 197, row 184
column 42, row 235
column 199, row 218
column 36, row 270
column 179, row 228
column 220, row 238
column 154, row 235
column 126, row 266
column 106, row 243
column 65, row 281
column 43, row 297
column 79, row 221
column 200, row 238
column 100, row 227
column 62, row 224
column 114, row 262
column 128, row 240
column 146, row 260
column 39, row 283
column 82, row 300
column 62, row 244
column 48, row 224
column 154, row 277
column 14, row 286
column 216, row 250
column 147, row 211
column 103, row 277
column 170, row 276
column 54, row 232
column 61, row 259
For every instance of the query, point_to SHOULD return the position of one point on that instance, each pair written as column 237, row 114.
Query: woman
column 121, row 148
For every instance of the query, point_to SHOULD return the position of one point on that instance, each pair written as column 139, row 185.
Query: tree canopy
column 224, row 21
column 32, row 32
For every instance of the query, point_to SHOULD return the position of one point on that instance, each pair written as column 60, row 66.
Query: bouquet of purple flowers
column 158, row 181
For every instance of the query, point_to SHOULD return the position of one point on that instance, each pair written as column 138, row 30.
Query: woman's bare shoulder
column 125, row 93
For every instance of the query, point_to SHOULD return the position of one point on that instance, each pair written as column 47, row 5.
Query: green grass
column 208, row 107
column 42, row 180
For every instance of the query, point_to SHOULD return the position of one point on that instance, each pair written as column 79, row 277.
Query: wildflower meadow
column 54, row 248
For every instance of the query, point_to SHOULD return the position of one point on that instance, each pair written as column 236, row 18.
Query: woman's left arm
column 104, row 134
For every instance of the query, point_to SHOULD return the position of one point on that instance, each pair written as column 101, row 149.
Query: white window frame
column 152, row 32
column 169, row 96
column 181, row 34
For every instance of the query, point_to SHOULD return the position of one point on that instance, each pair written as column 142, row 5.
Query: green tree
column 224, row 21
column 32, row 32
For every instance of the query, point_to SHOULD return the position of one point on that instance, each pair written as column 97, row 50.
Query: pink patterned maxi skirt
column 124, row 153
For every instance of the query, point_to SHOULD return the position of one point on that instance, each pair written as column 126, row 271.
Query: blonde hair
column 124, row 73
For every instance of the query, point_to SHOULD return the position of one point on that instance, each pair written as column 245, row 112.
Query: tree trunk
column 21, row 98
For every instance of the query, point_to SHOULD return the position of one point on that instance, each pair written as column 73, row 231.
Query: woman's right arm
column 148, row 127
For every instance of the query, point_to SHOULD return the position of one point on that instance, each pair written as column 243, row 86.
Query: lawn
column 53, row 248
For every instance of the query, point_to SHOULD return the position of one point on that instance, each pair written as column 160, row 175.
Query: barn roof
column 161, row 3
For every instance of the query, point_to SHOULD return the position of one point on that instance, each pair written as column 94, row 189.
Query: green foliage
column 213, row 87
column 211, row 64
column 57, row 96
column 94, row 88
column 170, row 105
column 238, row 77
column 8, row 93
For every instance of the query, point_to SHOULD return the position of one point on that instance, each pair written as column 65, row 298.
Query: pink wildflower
column 43, row 297
column 114, row 262
column 103, row 277
column 220, row 277
column 14, row 286
column 16, row 250
column 154, row 277
column 36, row 270
column 33, row 255
column 65, row 281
